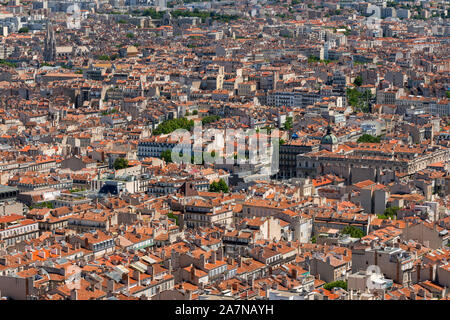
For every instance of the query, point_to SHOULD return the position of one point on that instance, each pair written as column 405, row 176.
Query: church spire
column 50, row 44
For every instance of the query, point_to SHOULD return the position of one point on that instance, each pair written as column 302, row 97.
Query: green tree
column 24, row 30
column 130, row 35
column 367, row 138
column 447, row 94
column 312, row 59
column 389, row 213
column 336, row 284
column 104, row 57
column 288, row 124
column 171, row 125
column 358, row 100
column 166, row 155
column 353, row 232
column 358, row 81
column 210, row 119
column 120, row 163
column 195, row 112
column 112, row 111
column 172, row 216
column 153, row 13
column 47, row 204
column 220, row 186
column 9, row 64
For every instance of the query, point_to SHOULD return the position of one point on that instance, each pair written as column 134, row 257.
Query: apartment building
column 17, row 228
column 394, row 263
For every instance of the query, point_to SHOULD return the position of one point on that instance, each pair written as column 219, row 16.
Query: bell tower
column 50, row 44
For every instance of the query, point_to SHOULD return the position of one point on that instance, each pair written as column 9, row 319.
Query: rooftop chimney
column 188, row 294
column 220, row 254
column 192, row 274
column 202, row 260
column 294, row 273
column 151, row 271
column 126, row 280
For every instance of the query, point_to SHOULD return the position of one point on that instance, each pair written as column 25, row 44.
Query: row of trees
column 367, row 138
column 389, row 213
column 105, row 57
column 336, row 284
column 210, row 119
column 195, row 112
column 313, row 59
column 185, row 13
column 166, row 155
column 47, row 204
column 171, row 125
column 9, row 64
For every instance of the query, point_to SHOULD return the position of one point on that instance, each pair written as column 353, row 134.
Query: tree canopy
column 120, row 163
column 288, row 123
column 353, row 232
column 210, row 119
column 24, row 30
column 358, row 100
column 166, row 155
column 220, row 186
column 340, row 284
column 358, row 81
column 389, row 213
column 151, row 12
column 171, row 125
column 367, row 138
column 175, row 217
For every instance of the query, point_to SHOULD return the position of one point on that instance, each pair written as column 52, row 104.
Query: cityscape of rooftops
column 225, row 150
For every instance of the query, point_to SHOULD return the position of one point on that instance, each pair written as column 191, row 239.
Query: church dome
column 329, row 138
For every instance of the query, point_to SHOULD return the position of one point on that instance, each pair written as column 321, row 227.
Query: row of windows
column 12, row 241
column 195, row 224
column 16, row 231
column 274, row 258
column 217, row 271
column 103, row 245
